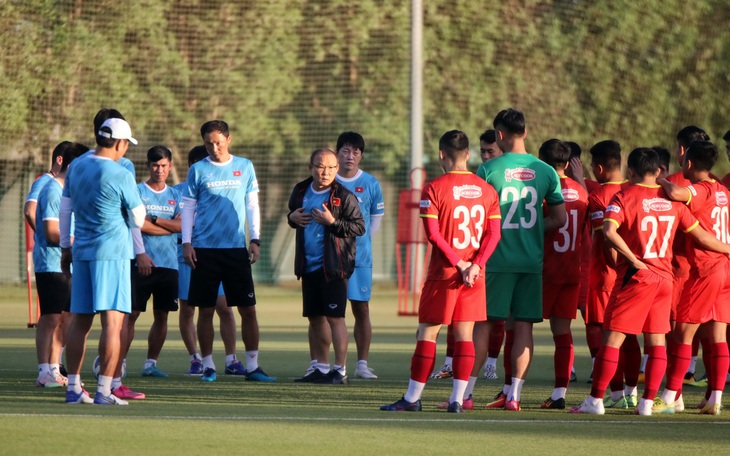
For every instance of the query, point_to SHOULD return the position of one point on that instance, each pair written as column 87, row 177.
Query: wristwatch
column 153, row 219
column 255, row 241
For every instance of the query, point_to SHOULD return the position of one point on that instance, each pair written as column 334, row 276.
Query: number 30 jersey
column 463, row 204
column 564, row 247
column 523, row 182
column 709, row 202
column 647, row 221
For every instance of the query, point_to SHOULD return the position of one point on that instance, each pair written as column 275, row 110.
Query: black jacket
column 339, row 241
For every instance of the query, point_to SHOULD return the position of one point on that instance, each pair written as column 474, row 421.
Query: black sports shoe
column 311, row 377
column 402, row 405
column 455, row 407
column 333, row 377
column 553, row 404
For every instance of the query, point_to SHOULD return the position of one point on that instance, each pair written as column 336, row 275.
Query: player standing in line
column 562, row 269
column 488, row 150
column 640, row 223
column 187, row 312
column 705, row 294
column 29, row 208
column 222, row 197
column 160, row 240
column 350, row 149
column 104, row 199
column 328, row 220
column 461, row 219
column 54, row 287
column 514, row 274
column 680, row 264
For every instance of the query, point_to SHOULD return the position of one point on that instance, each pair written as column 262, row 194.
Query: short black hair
column 489, row 136
column 511, row 120
column 607, row 154
column 158, row 153
column 74, row 151
column 575, row 150
column 664, row 156
column 555, row 153
column 726, row 136
column 214, row 125
column 352, row 139
column 702, row 154
column 454, row 144
column 196, row 154
column 691, row 133
column 643, row 161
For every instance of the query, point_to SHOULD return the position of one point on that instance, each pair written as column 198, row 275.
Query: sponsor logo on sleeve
column 381, row 206
column 425, row 204
column 467, row 191
column 656, row 205
column 598, row 215
column 520, row 174
column 692, row 190
column 613, row 208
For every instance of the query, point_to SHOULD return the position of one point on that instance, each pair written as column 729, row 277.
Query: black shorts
column 232, row 267
column 162, row 285
column 321, row 298
column 54, row 292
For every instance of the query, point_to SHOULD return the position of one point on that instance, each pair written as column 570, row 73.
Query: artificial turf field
column 183, row 416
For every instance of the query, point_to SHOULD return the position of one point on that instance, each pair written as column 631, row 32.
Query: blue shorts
column 101, row 285
column 183, row 281
column 360, row 284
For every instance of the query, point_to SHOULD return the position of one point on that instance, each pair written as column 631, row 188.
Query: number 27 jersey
column 463, row 204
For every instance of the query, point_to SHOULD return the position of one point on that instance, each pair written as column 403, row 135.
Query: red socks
column 463, row 360
column 563, row 359
column 423, row 360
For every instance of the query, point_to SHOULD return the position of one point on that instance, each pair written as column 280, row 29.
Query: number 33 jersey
column 523, row 182
column 647, row 221
column 463, row 204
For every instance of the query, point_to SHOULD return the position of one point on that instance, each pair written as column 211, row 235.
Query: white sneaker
column 490, row 372
column 363, row 371
column 48, row 380
column 644, row 407
column 679, row 404
column 588, row 407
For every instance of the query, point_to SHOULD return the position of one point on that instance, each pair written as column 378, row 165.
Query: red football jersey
column 602, row 276
column 647, row 221
column 709, row 204
column 592, row 185
column 563, row 249
column 680, row 263
column 463, row 204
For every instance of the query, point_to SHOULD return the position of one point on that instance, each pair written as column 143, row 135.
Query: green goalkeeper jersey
column 524, row 184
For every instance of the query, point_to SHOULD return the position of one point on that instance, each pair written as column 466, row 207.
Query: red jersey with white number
column 602, row 276
column 709, row 203
column 680, row 262
column 463, row 204
column 563, row 248
column 647, row 221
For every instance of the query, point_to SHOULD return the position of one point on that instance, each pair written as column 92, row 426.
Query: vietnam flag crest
column 335, row 201
column 171, row 202
column 236, row 173
column 359, row 189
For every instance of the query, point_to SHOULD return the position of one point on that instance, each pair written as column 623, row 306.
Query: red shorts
column 560, row 300
column 705, row 298
column 444, row 301
column 677, row 288
column 639, row 304
column 596, row 305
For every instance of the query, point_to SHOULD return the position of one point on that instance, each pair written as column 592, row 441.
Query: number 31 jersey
column 647, row 221
column 523, row 182
column 463, row 204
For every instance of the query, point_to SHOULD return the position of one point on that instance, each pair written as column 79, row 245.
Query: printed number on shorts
column 720, row 216
column 469, row 219
column 528, row 197
column 651, row 224
column 571, row 222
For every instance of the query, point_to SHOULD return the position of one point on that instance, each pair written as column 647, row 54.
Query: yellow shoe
column 711, row 409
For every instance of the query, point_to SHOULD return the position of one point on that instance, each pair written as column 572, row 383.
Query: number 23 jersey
column 522, row 182
column 463, row 205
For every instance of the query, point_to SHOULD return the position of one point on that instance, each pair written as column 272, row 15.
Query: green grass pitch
column 183, row 416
